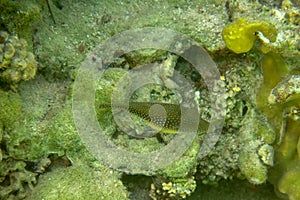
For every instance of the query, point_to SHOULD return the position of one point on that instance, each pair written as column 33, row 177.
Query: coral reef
column 178, row 173
column 278, row 98
column 72, row 38
column 286, row 91
column 31, row 138
column 16, row 63
column 259, row 142
column 15, row 179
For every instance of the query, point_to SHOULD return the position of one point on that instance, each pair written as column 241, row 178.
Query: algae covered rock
column 79, row 182
column 16, row 63
column 19, row 180
column 19, row 17
column 13, row 175
column 279, row 99
column 256, row 155
column 46, row 125
column 10, row 107
column 45, row 129
column 179, row 173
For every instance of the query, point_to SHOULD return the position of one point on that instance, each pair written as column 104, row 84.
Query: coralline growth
column 16, row 63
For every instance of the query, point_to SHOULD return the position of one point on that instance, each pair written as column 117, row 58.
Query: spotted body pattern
column 167, row 120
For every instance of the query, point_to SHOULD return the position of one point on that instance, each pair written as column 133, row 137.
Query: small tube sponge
column 239, row 36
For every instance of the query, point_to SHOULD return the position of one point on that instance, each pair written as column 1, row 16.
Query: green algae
column 45, row 126
column 278, row 99
column 79, row 181
column 274, row 69
column 10, row 108
column 185, row 165
column 285, row 174
column 43, row 130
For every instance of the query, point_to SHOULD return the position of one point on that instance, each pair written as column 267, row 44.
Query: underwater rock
column 79, row 181
column 180, row 172
column 256, row 135
column 18, row 180
column 285, row 91
column 10, row 108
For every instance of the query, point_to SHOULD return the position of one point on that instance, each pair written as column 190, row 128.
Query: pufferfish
column 165, row 120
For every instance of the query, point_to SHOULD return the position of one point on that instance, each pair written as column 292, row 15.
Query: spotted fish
column 167, row 122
